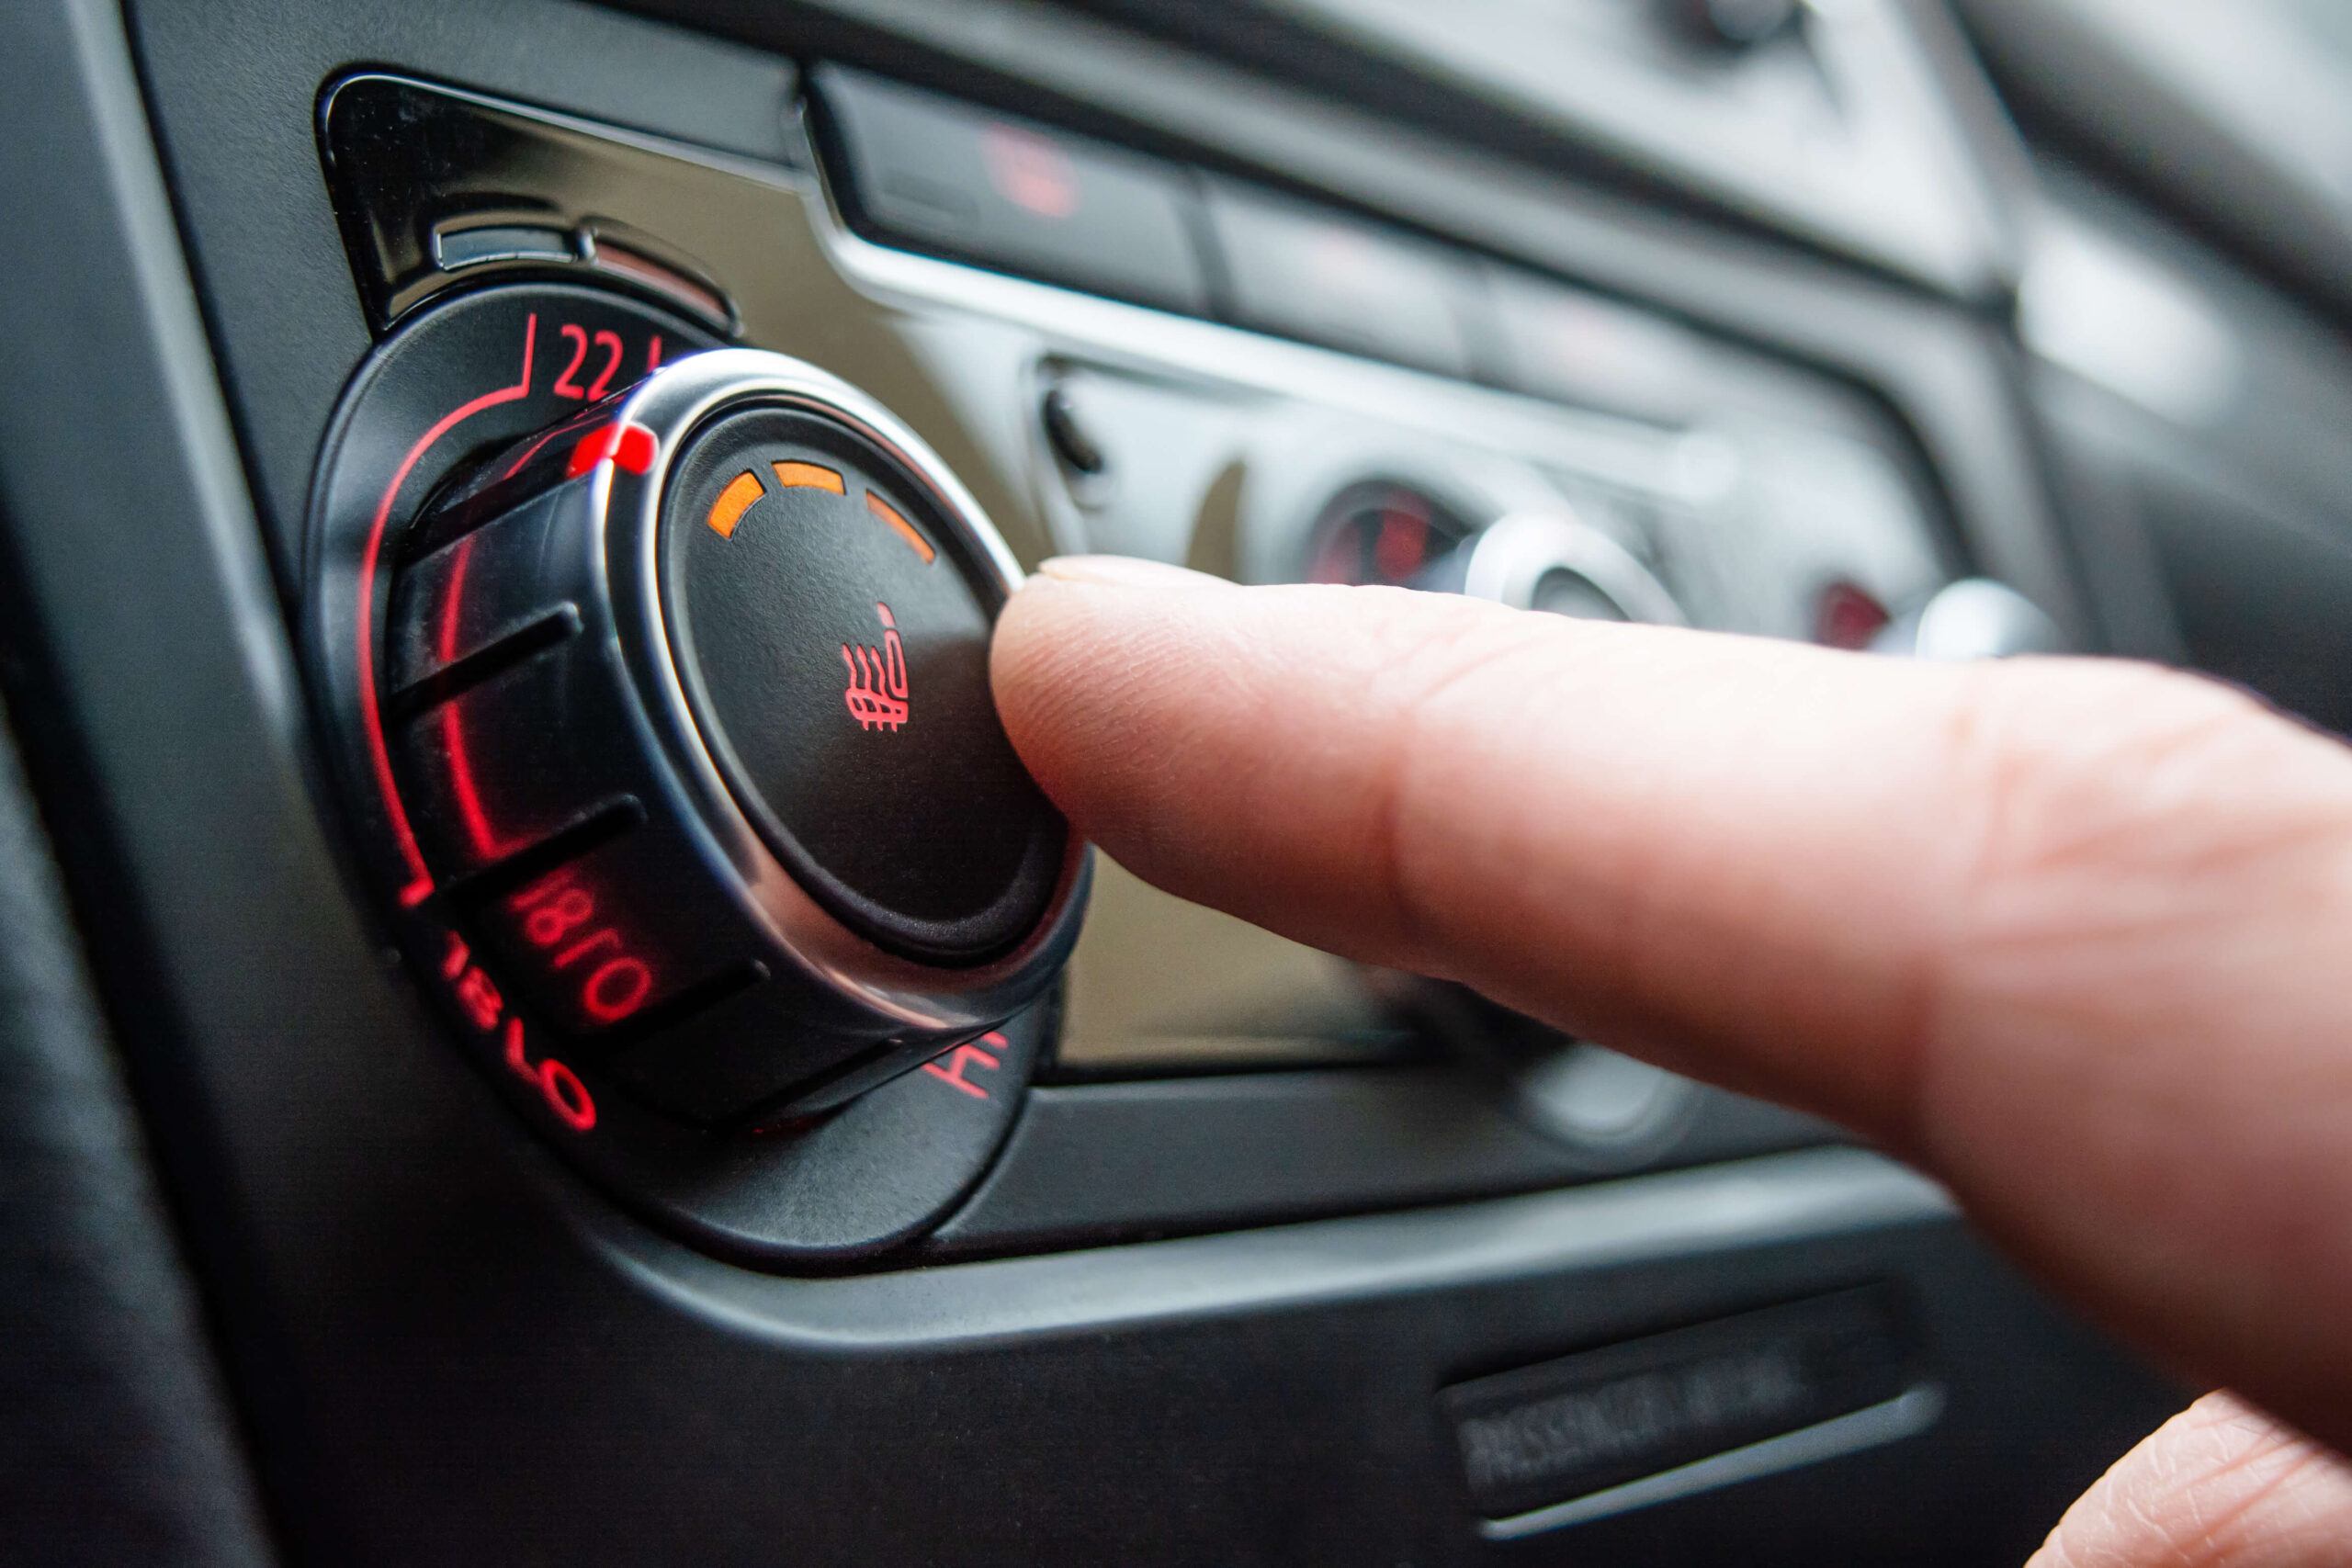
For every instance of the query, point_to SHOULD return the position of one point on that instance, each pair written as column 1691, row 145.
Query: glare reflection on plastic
column 1029, row 171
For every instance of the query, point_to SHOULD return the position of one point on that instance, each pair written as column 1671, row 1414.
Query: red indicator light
column 876, row 696
column 967, row 1055
column 898, row 525
column 1402, row 545
column 1849, row 617
column 733, row 502
column 630, row 446
column 1030, row 171
column 462, row 784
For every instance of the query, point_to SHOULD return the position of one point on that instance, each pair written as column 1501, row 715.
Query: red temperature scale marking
column 486, row 844
column 477, row 995
column 379, row 752
column 558, row 917
column 967, row 1055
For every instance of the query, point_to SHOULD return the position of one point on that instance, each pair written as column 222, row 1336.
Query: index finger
column 2064, row 932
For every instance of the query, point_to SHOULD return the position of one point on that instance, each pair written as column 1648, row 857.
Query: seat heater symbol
column 877, row 679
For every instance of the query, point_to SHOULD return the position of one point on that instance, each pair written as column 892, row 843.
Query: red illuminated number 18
column 553, row 913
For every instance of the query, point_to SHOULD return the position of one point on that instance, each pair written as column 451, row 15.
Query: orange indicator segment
column 905, row 530
column 807, row 475
column 733, row 502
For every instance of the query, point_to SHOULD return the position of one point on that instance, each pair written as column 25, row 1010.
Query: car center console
column 650, row 1077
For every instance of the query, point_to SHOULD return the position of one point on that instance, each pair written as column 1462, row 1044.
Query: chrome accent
column 1599, row 1100
column 1511, row 557
column 1974, row 618
column 671, row 404
column 1637, row 456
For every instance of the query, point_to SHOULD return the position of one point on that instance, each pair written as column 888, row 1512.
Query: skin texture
column 2070, row 934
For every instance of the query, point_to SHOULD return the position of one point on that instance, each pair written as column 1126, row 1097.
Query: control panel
column 654, row 650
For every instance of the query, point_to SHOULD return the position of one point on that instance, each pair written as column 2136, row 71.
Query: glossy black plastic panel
column 1292, row 270
column 926, row 170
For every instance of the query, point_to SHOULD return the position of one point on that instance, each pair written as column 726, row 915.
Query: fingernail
column 1126, row 571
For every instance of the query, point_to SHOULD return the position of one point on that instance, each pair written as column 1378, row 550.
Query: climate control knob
column 689, row 705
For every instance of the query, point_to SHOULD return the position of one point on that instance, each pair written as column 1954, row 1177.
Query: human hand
column 2069, row 934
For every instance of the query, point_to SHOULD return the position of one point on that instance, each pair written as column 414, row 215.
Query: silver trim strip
column 1642, row 457
column 1905, row 1416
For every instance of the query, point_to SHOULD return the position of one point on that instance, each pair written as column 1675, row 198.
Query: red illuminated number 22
column 609, row 341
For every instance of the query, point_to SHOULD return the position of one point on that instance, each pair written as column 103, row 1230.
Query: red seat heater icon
column 877, row 679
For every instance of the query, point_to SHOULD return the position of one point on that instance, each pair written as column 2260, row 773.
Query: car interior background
column 507, row 1057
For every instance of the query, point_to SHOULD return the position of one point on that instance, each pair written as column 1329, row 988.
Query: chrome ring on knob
column 671, row 405
column 1512, row 558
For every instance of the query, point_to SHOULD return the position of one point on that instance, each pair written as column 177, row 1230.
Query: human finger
column 2220, row 1485
column 2064, row 932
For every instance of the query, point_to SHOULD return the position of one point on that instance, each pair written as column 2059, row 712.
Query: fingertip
column 1063, row 620
column 1061, row 647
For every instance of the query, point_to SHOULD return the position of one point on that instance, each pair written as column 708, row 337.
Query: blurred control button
column 1310, row 275
column 1562, row 343
column 1732, row 24
column 932, row 173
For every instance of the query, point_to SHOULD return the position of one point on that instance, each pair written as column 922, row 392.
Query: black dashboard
column 541, row 1019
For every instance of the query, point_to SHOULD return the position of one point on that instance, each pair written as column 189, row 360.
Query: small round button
column 835, row 649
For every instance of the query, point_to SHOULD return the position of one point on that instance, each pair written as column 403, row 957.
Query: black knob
column 695, row 725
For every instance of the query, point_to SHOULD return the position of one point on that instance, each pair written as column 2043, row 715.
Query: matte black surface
column 1089, row 1164
column 940, row 176
column 117, row 1447
column 839, row 663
